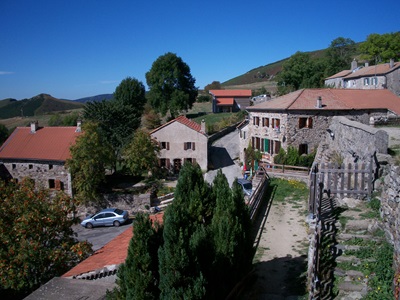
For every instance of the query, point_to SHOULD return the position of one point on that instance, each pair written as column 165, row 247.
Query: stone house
column 230, row 100
column 301, row 118
column 40, row 153
column 382, row 76
column 181, row 140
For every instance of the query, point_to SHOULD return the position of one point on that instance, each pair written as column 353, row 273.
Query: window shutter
column 184, row 146
column 310, row 122
column 168, row 163
column 167, row 145
column 58, row 185
column 193, row 161
column 193, row 147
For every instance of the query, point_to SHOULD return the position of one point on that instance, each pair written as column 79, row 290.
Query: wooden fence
column 288, row 169
column 257, row 196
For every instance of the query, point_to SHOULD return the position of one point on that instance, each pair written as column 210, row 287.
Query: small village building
column 40, row 153
column 182, row 140
column 230, row 100
column 381, row 76
column 300, row 119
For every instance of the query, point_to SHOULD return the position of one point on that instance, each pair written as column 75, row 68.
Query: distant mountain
column 95, row 98
column 38, row 105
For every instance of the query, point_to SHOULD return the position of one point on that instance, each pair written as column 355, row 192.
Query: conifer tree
column 138, row 276
column 231, row 231
column 185, row 238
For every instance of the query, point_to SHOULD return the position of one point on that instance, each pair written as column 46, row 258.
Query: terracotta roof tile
column 372, row 70
column 333, row 99
column 231, row 93
column 113, row 253
column 47, row 143
column 340, row 74
column 183, row 120
column 225, row 101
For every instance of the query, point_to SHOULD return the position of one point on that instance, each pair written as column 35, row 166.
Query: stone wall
column 351, row 142
column 389, row 185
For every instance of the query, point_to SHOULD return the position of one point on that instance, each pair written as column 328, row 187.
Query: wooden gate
column 351, row 180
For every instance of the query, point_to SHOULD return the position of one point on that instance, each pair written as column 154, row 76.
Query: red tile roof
column 47, row 143
column 113, row 253
column 333, row 99
column 225, row 101
column 340, row 74
column 380, row 69
column 230, row 93
column 183, row 120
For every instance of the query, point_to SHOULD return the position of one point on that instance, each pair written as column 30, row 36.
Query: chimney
column 391, row 63
column 78, row 126
column 366, row 64
column 203, row 126
column 319, row 102
column 34, row 126
column 354, row 64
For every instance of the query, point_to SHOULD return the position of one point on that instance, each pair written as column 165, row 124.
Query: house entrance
column 177, row 165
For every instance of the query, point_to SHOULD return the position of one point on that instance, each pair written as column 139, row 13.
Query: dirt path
column 280, row 261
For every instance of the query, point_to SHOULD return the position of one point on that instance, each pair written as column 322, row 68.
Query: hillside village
column 339, row 124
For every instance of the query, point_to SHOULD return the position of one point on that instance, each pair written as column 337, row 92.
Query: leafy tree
column 231, row 228
column 203, row 98
column 339, row 55
column 381, row 47
column 138, row 277
column 185, row 238
column 3, row 134
column 215, row 85
column 172, row 87
column 36, row 239
column 89, row 158
column 151, row 119
column 141, row 153
column 120, row 117
column 55, row 120
column 68, row 120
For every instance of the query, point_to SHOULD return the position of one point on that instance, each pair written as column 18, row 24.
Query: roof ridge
column 295, row 98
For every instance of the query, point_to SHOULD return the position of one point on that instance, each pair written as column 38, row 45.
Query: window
column 14, row 166
column 305, row 122
column 303, row 149
column 366, row 81
column 52, row 184
column 30, row 167
column 164, row 145
column 276, row 123
column 265, row 122
column 50, row 167
column 374, row 81
column 164, row 162
column 256, row 121
column 189, row 146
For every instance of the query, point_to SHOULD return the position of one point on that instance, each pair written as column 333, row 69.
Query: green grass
column 296, row 190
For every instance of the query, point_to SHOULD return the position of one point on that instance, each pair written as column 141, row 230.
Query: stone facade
column 51, row 175
column 180, row 143
column 304, row 130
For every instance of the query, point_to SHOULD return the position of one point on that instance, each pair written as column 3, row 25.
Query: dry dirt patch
column 281, row 258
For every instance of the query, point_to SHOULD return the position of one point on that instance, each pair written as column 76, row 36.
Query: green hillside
column 38, row 105
column 264, row 75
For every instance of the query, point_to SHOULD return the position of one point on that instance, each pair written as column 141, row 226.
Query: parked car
column 106, row 217
column 246, row 185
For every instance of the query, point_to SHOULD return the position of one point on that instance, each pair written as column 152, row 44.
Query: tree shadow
column 281, row 276
column 220, row 158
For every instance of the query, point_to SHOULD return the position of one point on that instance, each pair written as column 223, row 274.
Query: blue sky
column 78, row 48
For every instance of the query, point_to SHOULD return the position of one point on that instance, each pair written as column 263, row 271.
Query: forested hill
column 266, row 73
column 38, row 105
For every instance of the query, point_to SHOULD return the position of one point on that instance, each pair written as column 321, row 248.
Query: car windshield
column 247, row 186
column 118, row 211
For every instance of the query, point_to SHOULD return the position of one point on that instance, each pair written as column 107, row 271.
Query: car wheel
column 89, row 225
column 116, row 223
